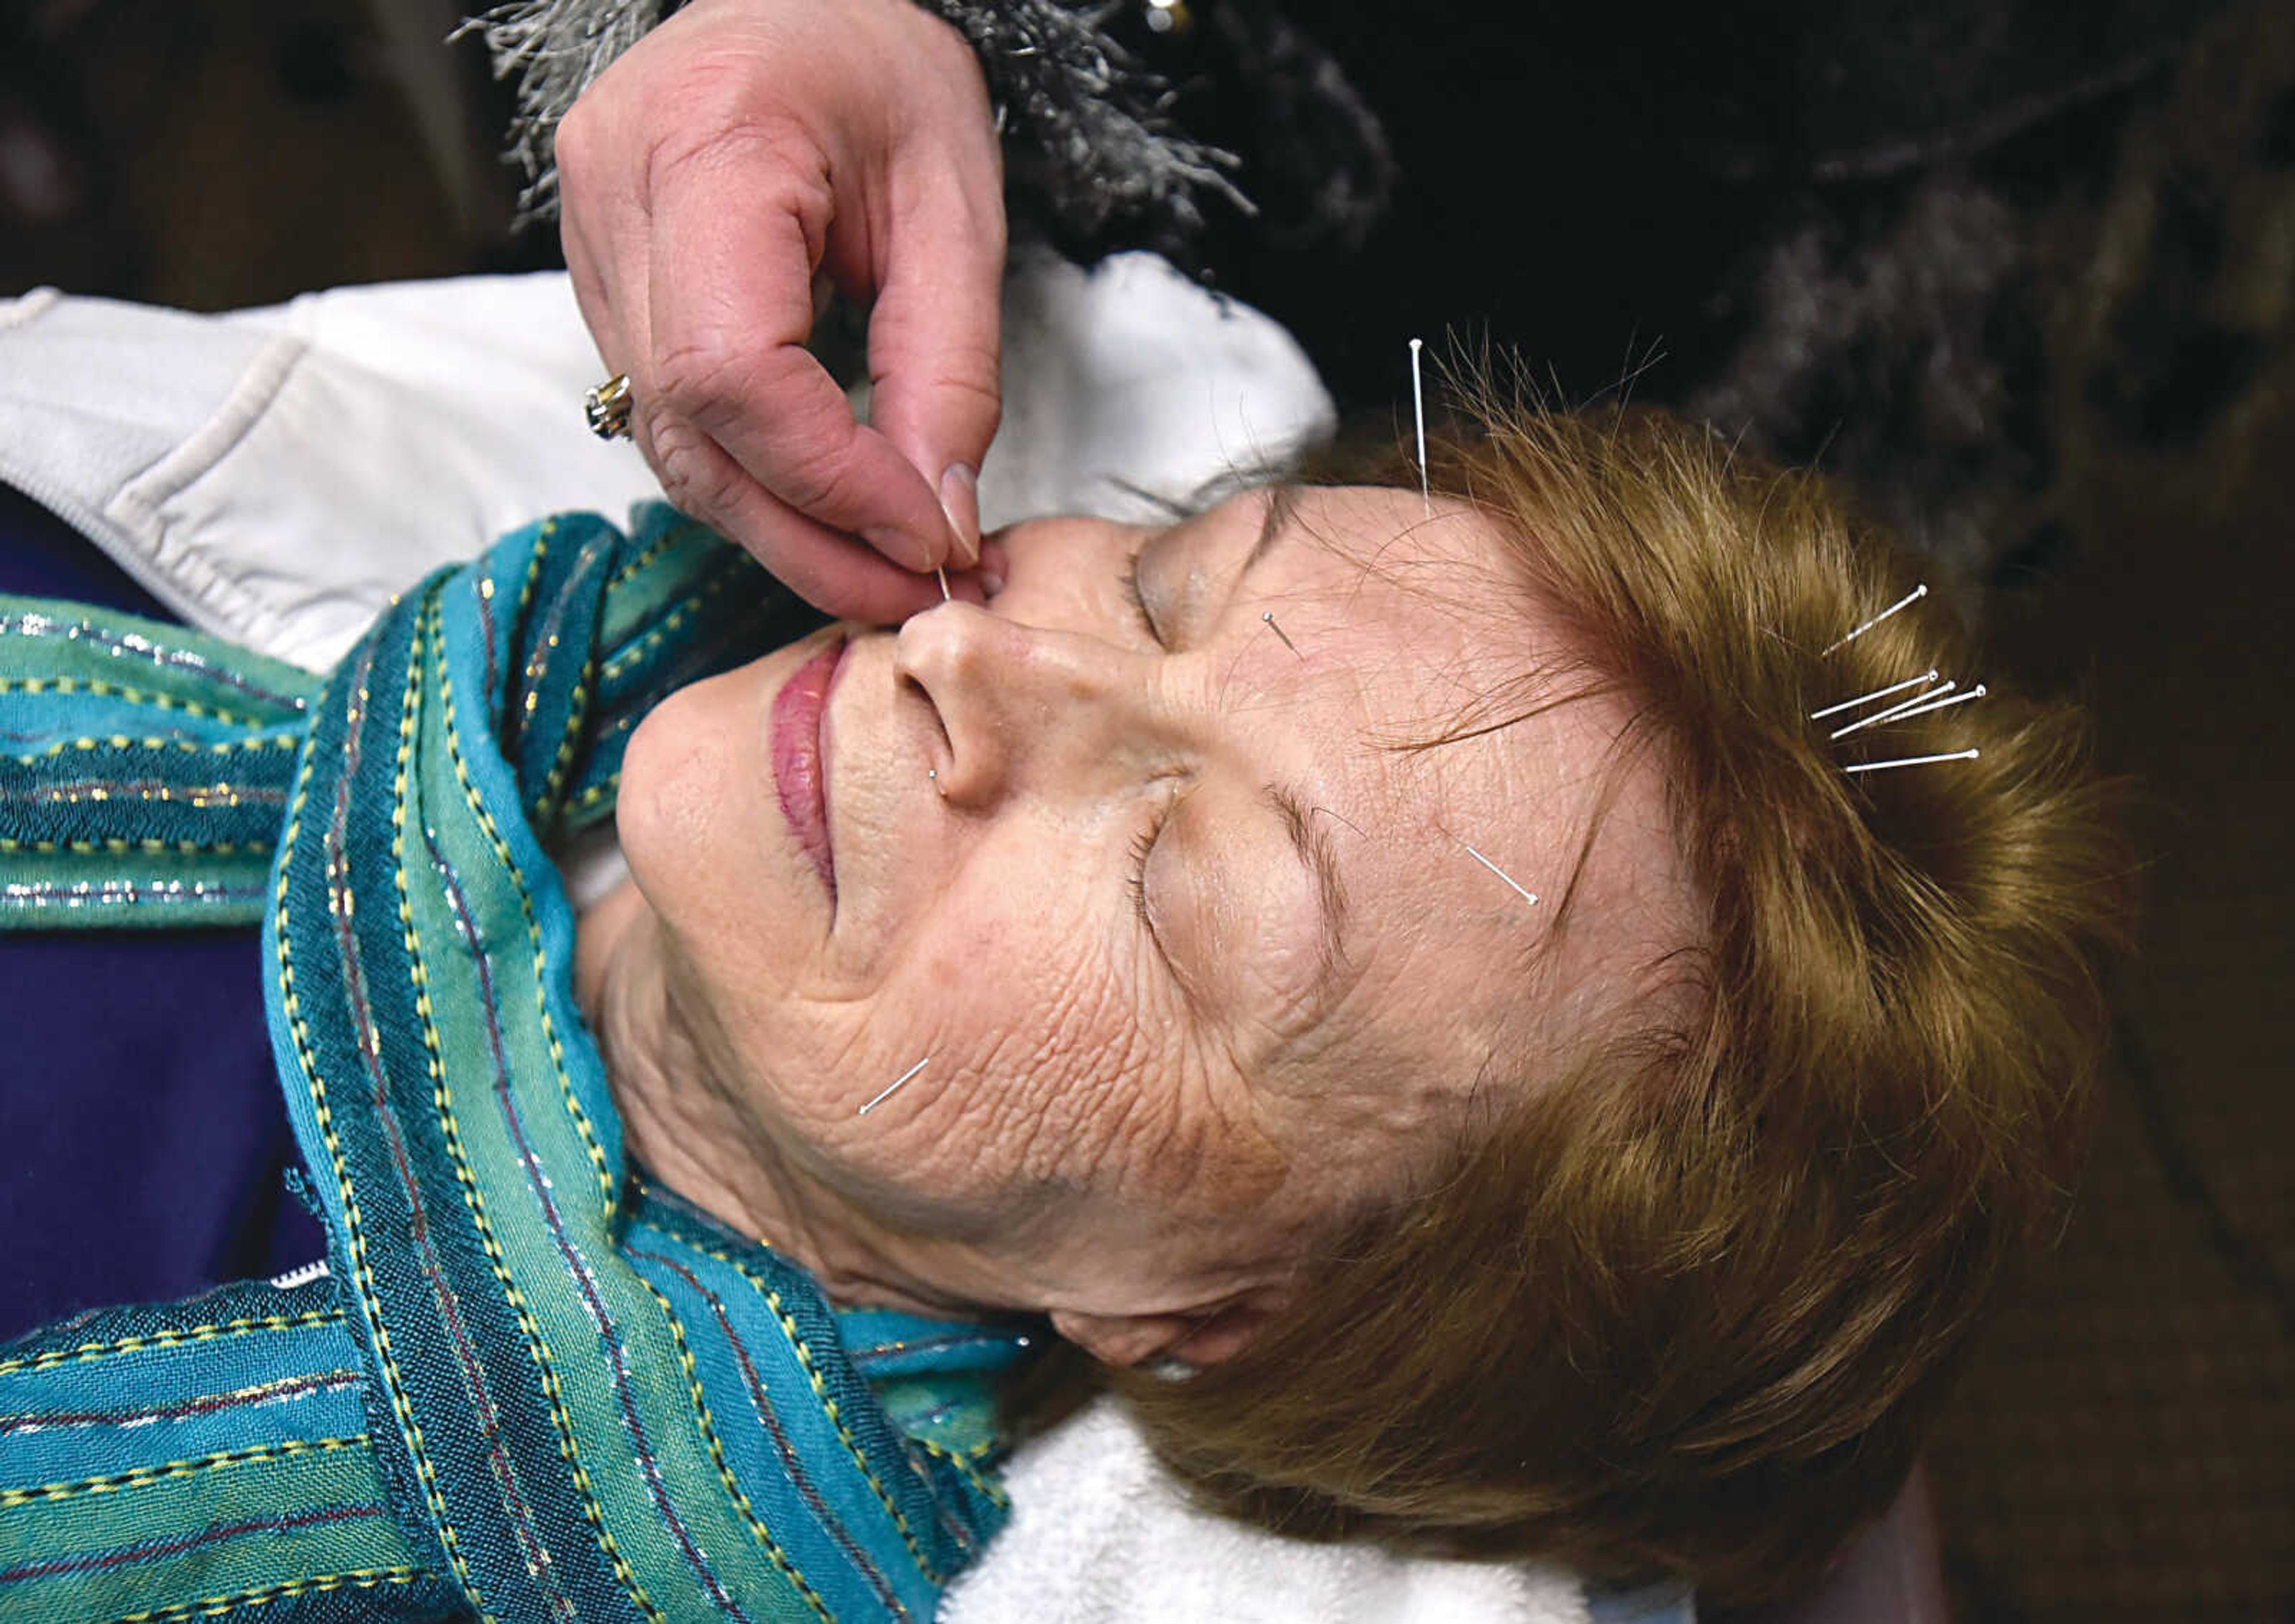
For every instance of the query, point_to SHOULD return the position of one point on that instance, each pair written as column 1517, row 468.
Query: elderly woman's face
column 1193, row 955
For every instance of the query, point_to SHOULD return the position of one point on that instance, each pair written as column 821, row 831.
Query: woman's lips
column 800, row 776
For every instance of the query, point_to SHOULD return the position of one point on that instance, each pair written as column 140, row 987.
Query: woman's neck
column 681, row 1122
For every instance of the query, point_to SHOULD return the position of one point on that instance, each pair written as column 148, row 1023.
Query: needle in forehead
column 1527, row 896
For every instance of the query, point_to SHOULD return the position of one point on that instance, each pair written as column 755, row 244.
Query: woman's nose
column 1016, row 701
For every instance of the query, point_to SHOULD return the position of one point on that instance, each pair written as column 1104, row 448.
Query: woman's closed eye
column 1143, row 848
column 1137, row 599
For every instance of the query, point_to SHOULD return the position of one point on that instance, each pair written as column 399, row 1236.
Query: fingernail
column 899, row 546
column 959, row 498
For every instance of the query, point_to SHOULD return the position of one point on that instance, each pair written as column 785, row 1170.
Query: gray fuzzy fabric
column 1085, row 127
column 554, row 48
column 1902, row 318
column 1878, row 354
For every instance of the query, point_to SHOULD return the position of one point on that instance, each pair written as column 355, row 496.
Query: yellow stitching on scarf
column 591, row 1512
column 967, row 1463
column 169, row 1339
column 533, row 934
column 441, row 1093
column 198, row 796
column 121, row 741
column 213, row 1606
column 548, row 527
column 669, row 623
column 661, row 544
column 577, row 708
column 100, row 689
column 724, row 1468
column 393, row 1382
column 820, row 1391
column 144, row 1477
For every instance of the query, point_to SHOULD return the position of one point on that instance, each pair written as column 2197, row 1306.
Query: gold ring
column 608, row 408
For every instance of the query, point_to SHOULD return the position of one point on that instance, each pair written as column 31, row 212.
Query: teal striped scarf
column 530, row 1386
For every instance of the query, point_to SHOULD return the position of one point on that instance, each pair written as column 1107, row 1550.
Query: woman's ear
column 1207, row 1338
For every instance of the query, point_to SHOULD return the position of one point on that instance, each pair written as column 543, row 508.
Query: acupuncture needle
column 886, row 1093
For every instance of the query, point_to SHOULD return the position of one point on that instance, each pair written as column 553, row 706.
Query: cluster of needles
column 1926, row 695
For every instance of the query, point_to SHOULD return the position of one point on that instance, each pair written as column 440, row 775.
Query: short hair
column 1687, row 1308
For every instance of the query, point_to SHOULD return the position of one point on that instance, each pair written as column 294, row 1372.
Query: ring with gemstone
column 608, row 408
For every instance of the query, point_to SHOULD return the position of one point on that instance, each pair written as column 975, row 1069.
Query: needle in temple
column 1269, row 616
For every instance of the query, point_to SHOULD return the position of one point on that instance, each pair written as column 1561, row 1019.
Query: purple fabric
column 142, row 1142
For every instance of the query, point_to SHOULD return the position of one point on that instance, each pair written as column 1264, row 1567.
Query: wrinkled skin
column 1133, row 1120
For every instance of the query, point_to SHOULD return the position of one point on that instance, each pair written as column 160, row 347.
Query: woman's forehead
column 1413, row 620
column 1367, row 536
column 1475, row 754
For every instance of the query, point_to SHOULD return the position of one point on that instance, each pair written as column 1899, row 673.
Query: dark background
column 2022, row 277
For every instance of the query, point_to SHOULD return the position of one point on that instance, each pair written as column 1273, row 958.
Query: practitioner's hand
column 718, row 182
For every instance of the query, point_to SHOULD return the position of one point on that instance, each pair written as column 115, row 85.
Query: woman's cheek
column 1044, row 1008
column 679, row 779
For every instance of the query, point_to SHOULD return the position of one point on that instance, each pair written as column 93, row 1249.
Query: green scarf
column 532, row 1385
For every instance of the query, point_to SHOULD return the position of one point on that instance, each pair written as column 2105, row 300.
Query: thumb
column 934, row 349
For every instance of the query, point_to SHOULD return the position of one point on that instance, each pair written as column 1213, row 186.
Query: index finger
column 831, row 572
column 731, row 297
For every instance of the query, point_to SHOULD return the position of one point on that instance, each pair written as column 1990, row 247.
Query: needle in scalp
column 1418, row 411
column 1922, row 680
column 1269, row 616
column 1912, row 761
column 1913, row 597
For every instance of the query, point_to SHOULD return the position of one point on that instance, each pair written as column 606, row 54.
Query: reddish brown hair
column 1687, row 1308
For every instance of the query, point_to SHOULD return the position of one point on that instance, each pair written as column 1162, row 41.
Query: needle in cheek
column 887, row 1091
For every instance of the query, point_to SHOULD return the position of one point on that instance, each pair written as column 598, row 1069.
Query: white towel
column 1100, row 1534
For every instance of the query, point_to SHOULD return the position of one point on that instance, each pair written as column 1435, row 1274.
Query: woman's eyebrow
column 1313, row 846
column 1281, row 503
